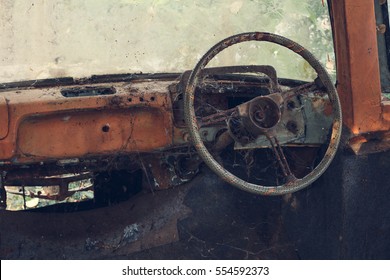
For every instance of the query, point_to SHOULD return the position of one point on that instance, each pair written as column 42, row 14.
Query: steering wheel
column 261, row 115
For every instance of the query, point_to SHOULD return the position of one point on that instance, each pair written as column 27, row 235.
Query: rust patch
column 38, row 127
column 160, row 173
column 354, row 33
column 3, row 117
column 322, row 106
column 116, row 101
column 328, row 109
column 98, row 132
column 370, row 143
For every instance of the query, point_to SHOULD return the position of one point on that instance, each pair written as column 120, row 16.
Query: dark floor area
column 345, row 214
column 227, row 223
column 205, row 219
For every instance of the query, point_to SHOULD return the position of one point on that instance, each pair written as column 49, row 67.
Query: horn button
column 260, row 114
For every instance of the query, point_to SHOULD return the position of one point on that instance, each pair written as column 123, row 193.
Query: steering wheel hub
column 264, row 113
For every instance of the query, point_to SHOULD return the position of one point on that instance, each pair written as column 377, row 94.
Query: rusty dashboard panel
column 46, row 124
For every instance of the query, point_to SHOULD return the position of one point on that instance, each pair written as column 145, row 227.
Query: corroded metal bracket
column 4, row 120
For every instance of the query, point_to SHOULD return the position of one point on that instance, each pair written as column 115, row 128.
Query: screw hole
column 141, row 99
column 152, row 98
column 292, row 127
column 291, row 105
column 106, row 128
column 130, row 99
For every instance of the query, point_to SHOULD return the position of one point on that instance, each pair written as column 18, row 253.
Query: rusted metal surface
column 172, row 168
column 77, row 134
column 374, row 142
column 3, row 117
column 358, row 78
column 162, row 178
column 79, row 130
column 43, row 124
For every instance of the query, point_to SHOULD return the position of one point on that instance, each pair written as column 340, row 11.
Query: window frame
column 357, row 61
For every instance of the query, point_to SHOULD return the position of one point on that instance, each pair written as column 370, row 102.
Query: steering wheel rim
column 191, row 121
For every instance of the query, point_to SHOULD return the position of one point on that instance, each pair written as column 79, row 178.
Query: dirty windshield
column 48, row 39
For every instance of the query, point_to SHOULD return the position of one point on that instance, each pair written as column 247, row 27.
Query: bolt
column 259, row 115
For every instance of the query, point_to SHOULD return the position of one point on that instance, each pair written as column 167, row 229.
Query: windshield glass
column 47, row 39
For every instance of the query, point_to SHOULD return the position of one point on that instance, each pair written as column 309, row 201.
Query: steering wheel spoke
column 281, row 158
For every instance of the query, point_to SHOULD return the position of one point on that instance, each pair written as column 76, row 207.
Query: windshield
column 47, row 39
